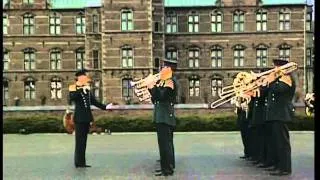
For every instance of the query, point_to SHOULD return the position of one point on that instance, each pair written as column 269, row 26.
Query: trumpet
column 140, row 86
column 245, row 83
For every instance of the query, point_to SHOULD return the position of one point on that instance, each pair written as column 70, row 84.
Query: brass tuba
column 141, row 86
column 245, row 83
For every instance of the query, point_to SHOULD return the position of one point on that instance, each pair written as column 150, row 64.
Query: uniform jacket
column 280, row 107
column 82, row 113
column 259, row 109
column 163, row 99
column 241, row 116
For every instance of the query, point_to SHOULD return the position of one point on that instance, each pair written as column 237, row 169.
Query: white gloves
column 109, row 106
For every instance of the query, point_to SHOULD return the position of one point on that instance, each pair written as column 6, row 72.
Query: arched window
column 55, row 59
column 193, row 22
column 29, row 89
column 6, row 59
column 5, row 91
column 216, row 21
column 5, row 24
column 55, row 22
column 216, row 86
column 284, row 51
column 56, row 88
column 262, row 55
column 238, row 55
column 29, row 59
column 194, row 86
column 171, row 22
column 193, row 57
column 238, row 21
column 80, row 54
column 126, row 20
column 261, row 20
column 284, row 19
column 172, row 54
column 81, row 23
column 127, row 91
column 216, row 56
column 28, row 24
column 127, row 56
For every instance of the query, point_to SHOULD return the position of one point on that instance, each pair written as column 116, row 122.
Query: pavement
column 203, row 155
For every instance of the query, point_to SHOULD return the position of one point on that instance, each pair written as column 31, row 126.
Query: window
column 156, row 26
column 96, row 88
column 238, row 21
column 29, row 89
column 127, row 57
column 55, row 59
column 216, row 56
column 216, row 86
column 285, row 52
column 193, row 22
column 80, row 58
column 262, row 57
column 127, row 90
column 28, row 2
column 261, row 20
column 6, row 60
column 171, row 23
column 194, row 87
column 309, row 20
column 284, row 20
column 238, row 56
column 193, row 58
column 172, row 54
column 216, row 22
column 81, row 24
column 55, row 24
column 95, row 23
column 29, row 59
column 5, row 24
column 309, row 57
column 28, row 24
column 126, row 20
column 95, row 54
column 5, row 92
column 56, row 88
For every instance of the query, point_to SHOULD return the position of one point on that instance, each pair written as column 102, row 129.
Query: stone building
column 45, row 42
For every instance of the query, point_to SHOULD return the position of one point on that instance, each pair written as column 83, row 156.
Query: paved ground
column 133, row 156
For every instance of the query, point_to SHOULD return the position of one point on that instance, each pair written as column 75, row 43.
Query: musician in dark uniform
column 164, row 97
column 82, row 97
column 251, row 132
column 243, row 124
column 280, row 111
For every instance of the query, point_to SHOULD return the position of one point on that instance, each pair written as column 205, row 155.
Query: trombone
column 250, row 82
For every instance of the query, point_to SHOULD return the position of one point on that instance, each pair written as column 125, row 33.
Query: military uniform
column 243, row 125
column 280, row 111
column 251, row 131
column 82, row 118
column 163, row 99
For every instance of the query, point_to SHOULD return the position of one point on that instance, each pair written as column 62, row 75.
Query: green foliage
column 121, row 123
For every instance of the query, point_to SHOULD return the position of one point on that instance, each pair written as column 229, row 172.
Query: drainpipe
column 304, row 51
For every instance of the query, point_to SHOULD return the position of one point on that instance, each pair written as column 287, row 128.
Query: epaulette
column 286, row 79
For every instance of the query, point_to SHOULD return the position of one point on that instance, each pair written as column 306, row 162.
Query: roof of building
column 75, row 4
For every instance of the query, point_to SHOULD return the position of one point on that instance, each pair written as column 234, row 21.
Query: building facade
column 45, row 43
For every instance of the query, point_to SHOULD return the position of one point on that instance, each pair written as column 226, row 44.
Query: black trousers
column 244, row 130
column 280, row 133
column 253, row 143
column 261, row 128
column 166, row 147
column 81, row 135
column 270, row 158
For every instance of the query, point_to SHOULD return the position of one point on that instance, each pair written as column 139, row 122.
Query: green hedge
column 217, row 122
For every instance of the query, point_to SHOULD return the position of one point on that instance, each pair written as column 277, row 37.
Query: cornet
column 250, row 82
